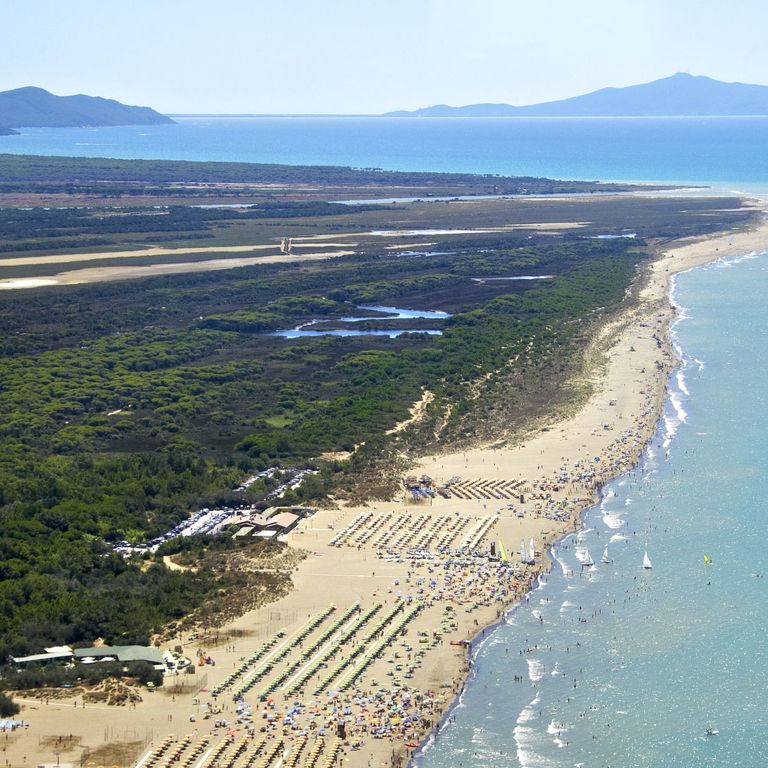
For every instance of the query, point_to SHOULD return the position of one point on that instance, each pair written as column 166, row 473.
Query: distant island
column 37, row 108
column 680, row 95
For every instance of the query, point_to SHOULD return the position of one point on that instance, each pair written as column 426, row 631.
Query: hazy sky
column 369, row 56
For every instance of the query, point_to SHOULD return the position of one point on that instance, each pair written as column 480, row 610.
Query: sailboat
column 585, row 558
column 605, row 559
column 523, row 553
column 532, row 550
column 647, row 561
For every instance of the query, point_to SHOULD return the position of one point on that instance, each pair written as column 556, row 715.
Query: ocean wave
column 536, row 670
column 673, row 422
column 731, row 261
column 555, row 729
column 528, row 742
column 477, row 647
column 677, row 404
column 612, row 520
column 528, row 712
column 567, row 572
column 681, row 384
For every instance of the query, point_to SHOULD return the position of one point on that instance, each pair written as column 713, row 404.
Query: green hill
column 37, row 108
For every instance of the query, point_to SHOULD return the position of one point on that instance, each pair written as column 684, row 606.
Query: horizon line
column 413, row 116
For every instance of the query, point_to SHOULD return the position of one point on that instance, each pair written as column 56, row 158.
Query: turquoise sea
column 619, row 667
column 624, row 667
column 727, row 151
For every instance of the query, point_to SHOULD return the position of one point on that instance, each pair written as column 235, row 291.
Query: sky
column 369, row 56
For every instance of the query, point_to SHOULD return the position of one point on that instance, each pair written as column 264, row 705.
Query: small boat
column 526, row 556
column 647, row 564
column 605, row 559
column 711, row 732
column 585, row 558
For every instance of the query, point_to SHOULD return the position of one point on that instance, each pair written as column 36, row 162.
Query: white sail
column 532, row 551
column 584, row 557
column 647, row 561
column 523, row 553
column 606, row 558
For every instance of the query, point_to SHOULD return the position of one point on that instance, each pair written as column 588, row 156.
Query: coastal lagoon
column 305, row 330
column 614, row 665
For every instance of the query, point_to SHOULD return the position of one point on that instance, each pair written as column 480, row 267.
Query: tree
column 8, row 707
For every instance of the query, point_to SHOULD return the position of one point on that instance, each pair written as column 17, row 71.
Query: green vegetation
column 8, row 707
column 129, row 405
column 201, row 402
column 107, row 177
column 57, row 675
column 30, row 106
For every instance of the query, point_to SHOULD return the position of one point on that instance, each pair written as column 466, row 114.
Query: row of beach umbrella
column 310, row 650
column 369, row 636
column 347, row 635
column 288, row 645
column 371, row 655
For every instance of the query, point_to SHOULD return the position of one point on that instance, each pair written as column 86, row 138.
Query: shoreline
column 698, row 253
column 622, row 363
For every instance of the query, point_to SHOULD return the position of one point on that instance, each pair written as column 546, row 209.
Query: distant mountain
column 8, row 132
column 677, row 96
column 37, row 108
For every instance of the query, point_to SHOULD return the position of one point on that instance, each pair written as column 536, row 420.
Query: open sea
column 726, row 152
column 618, row 667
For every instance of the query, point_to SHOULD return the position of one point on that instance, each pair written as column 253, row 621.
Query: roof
column 300, row 511
column 41, row 657
column 123, row 653
column 284, row 520
column 59, row 649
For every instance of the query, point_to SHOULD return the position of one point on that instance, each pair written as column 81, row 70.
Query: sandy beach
column 358, row 592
